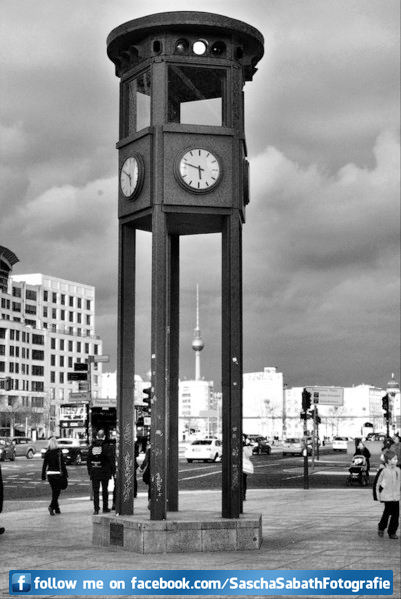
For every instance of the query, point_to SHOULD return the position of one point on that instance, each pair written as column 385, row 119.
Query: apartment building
column 47, row 324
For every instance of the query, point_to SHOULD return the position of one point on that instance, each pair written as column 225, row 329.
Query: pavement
column 322, row 529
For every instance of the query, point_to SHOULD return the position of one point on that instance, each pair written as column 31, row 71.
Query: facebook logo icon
column 21, row 583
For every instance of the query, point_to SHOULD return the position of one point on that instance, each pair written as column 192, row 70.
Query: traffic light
column 385, row 403
column 306, row 400
column 387, row 415
column 146, row 400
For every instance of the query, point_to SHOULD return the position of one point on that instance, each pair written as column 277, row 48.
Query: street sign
column 80, row 367
column 79, row 396
column 327, row 396
column 77, row 376
column 105, row 358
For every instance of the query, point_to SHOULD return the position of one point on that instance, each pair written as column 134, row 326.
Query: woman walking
column 54, row 467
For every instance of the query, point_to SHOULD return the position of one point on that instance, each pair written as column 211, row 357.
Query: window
column 61, row 358
column 71, row 316
column 17, row 292
column 61, row 344
column 79, row 318
column 136, row 102
column 54, row 298
column 29, row 309
column 16, row 307
column 87, row 351
column 62, row 299
column 88, row 320
column 37, row 354
column 52, row 343
column 79, row 347
column 38, row 339
column 30, row 294
column 52, row 360
column 61, row 377
column 62, row 314
column 88, row 304
column 52, row 377
column 70, row 346
column 54, row 313
column 45, row 296
column 2, row 333
column 195, row 95
column 71, row 301
column 37, row 402
column 79, row 303
column 45, row 312
column 38, row 371
column 37, row 386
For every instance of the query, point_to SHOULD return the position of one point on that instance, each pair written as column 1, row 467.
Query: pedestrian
column 2, row 529
column 396, row 447
column 247, row 466
column 55, row 469
column 388, row 488
column 363, row 450
column 101, row 467
column 145, row 469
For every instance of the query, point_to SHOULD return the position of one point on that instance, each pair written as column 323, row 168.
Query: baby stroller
column 358, row 471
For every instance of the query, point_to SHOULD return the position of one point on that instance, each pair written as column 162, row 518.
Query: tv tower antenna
column 197, row 343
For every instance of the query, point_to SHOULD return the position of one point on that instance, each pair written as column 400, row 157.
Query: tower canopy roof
column 129, row 34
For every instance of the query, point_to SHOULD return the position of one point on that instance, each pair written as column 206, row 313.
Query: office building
column 47, row 325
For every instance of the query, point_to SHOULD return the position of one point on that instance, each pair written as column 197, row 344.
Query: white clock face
column 199, row 170
column 129, row 176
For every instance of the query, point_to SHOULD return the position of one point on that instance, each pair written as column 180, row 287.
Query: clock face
column 131, row 176
column 199, row 170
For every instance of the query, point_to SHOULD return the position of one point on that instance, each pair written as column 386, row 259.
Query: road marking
column 199, row 476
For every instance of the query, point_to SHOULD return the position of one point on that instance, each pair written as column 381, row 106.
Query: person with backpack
column 388, row 491
column 101, row 467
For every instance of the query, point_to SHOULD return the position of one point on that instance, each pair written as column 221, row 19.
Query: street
column 22, row 478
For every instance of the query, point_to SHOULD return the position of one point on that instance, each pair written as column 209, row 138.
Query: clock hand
column 128, row 175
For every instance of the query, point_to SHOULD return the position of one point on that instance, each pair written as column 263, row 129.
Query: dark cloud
column 321, row 241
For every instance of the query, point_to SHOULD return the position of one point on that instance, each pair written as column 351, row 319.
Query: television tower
column 197, row 343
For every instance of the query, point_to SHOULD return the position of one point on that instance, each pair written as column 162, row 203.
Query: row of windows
column 56, row 298
column 36, row 386
column 80, row 347
column 26, row 369
column 30, row 309
column 63, row 316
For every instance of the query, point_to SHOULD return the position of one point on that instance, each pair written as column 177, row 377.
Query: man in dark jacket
column 101, row 468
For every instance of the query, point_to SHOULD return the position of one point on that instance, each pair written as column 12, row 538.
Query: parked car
column 7, row 449
column 207, row 450
column 295, row 446
column 24, row 447
column 340, row 443
column 75, row 451
column 376, row 437
column 262, row 446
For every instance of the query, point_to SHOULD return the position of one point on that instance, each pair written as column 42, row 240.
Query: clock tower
column 183, row 170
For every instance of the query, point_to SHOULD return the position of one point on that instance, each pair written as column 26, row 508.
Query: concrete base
column 186, row 531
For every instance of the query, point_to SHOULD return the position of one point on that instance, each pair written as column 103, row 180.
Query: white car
column 295, row 446
column 341, row 443
column 207, row 450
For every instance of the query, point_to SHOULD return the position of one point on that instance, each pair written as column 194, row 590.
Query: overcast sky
column 321, row 241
